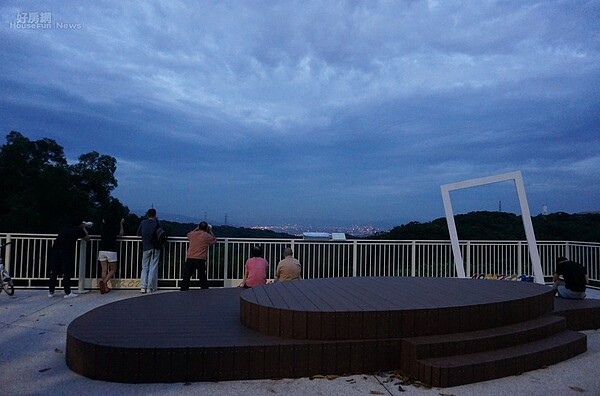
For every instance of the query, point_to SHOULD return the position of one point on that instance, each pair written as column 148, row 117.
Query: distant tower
column 225, row 219
column 205, row 218
column 499, row 206
column 544, row 210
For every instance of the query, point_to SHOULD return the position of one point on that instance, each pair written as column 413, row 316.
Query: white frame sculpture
column 525, row 214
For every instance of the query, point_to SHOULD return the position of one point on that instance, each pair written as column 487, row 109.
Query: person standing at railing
column 289, row 268
column 200, row 239
column 574, row 280
column 107, row 254
column 62, row 256
column 255, row 269
column 150, row 255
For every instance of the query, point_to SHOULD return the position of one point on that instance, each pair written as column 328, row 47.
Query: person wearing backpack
column 151, row 253
column 200, row 239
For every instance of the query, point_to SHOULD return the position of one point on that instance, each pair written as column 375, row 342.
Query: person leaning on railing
column 107, row 250
column 62, row 256
column 200, row 239
column 575, row 278
column 150, row 254
column 289, row 268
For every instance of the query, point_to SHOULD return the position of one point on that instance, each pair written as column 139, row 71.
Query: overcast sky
column 330, row 112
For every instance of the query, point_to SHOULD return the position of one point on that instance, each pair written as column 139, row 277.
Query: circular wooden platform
column 294, row 329
column 383, row 307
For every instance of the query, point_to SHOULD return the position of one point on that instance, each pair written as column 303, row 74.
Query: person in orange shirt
column 200, row 239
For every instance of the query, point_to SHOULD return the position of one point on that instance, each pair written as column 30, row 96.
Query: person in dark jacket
column 150, row 253
column 62, row 256
column 574, row 279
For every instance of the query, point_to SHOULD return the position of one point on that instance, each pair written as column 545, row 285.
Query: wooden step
column 580, row 314
column 416, row 348
column 483, row 366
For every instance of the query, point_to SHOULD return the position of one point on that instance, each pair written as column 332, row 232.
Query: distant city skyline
column 296, row 229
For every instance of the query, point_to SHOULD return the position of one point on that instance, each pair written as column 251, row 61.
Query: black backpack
column 159, row 237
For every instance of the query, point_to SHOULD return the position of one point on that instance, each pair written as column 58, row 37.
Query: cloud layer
column 331, row 112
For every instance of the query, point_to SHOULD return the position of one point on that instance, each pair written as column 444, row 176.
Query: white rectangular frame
column 525, row 214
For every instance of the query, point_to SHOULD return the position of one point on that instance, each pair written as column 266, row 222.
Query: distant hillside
column 503, row 226
column 560, row 226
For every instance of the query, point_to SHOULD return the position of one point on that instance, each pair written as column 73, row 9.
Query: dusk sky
column 314, row 112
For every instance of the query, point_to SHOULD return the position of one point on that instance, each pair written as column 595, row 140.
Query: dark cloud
column 344, row 112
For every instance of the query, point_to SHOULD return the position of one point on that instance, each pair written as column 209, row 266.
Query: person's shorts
column 111, row 257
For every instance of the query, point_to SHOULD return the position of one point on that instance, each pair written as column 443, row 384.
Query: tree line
column 486, row 225
column 41, row 192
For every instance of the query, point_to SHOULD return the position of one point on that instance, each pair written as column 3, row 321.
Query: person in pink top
column 255, row 269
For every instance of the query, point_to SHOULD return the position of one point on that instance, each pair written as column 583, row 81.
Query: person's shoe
column 107, row 290
column 71, row 295
column 143, row 291
column 102, row 287
column 50, row 294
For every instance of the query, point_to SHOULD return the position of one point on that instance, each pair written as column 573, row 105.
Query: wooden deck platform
column 323, row 326
column 375, row 308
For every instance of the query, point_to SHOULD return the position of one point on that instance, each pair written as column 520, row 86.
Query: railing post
column 82, row 259
column 7, row 255
column 413, row 259
column 568, row 250
column 355, row 258
column 520, row 258
column 226, row 262
column 468, row 272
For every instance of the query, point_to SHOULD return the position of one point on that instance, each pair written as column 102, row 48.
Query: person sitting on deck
column 255, row 269
column 289, row 268
column 575, row 278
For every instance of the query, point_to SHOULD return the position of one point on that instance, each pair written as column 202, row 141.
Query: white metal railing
column 27, row 259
